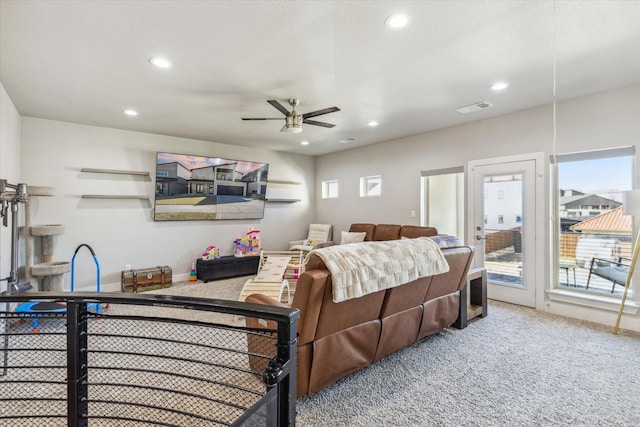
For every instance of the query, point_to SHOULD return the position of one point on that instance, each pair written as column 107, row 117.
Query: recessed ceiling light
column 304, row 143
column 397, row 21
column 130, row 112
column 373, row 123
column 346, row 140
column 500, row 86
column 161, row 62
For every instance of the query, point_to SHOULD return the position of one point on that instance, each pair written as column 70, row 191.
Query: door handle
column 479, row 237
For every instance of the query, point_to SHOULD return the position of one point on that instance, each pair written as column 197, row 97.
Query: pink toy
column 249, row 244
column 211, row 253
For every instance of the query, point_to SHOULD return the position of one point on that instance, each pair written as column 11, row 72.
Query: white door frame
column 540, row 232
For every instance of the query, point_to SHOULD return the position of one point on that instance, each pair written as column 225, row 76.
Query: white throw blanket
column 359, row 269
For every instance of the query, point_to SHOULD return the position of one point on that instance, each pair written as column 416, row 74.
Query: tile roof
column 610, row 221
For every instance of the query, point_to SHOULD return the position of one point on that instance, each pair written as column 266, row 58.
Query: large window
column 594, row 237
column 442, row 200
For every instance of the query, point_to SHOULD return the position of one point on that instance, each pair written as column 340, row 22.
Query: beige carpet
column 221, row 289
column 228, row 289
column 516, row 367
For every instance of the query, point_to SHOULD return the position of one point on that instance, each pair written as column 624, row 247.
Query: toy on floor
column 269, row 280
column 35, row 309
column 192, row 275
column 277, row 271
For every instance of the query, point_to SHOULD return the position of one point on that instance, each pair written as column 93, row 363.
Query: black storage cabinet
column 226, row 266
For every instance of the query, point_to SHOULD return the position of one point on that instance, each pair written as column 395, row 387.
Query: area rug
column 516, row 367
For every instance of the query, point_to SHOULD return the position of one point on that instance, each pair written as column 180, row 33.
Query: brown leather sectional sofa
column 336, row 339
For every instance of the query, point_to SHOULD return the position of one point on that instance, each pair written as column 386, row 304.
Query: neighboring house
column 174, row 179
column 257, row 180
column 203, row 181
column 610, row 222
column 219, row 180
column 605, row 236
column 502, row 205
column 171, row 179
column 578, row 205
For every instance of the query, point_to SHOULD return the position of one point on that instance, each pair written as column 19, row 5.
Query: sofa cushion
column 367, row 228
column 352, row 237
column 413, row 231
column 386, row 232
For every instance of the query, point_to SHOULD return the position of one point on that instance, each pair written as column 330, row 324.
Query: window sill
column 593, row 301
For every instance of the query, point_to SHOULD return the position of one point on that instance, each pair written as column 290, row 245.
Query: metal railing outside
column 580, row 252
column 148, row 360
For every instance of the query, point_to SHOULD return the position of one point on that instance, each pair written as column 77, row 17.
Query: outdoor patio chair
column 614, row 271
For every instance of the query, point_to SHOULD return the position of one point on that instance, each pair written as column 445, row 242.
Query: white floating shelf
column 114, row 196
column 280, row 181
column 116, row 171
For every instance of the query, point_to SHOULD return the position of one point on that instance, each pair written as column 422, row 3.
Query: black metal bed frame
column 97, row 367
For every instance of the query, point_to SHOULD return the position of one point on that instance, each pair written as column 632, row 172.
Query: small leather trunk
column 146, row 279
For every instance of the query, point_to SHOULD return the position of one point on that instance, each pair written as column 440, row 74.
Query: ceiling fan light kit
column 294, row 120
column 293, row 124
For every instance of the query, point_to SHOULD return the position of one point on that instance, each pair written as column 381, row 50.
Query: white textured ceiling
column 85, row 61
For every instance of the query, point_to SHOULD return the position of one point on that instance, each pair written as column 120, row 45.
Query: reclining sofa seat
column 336, row 339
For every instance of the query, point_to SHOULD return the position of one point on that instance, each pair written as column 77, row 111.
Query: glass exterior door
column 503, row 228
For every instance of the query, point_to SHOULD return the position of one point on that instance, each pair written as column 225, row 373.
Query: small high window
column 330, row 189
column 371, row 186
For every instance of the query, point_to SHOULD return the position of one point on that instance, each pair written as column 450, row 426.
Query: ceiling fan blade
column 279, row 107
column 261, row 118
column 320, row 112
column 316, row 123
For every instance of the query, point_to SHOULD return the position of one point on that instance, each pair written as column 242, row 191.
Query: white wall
column 9, row 170
column 123, row 231
column 610, row 119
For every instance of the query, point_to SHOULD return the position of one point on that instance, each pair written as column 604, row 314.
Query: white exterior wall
column 502, row 198
column 203, row 173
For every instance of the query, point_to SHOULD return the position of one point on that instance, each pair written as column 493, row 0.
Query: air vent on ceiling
column 474, row 107
column 346, row 140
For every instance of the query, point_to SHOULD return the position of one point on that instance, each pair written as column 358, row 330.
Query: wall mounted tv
column 192, row 188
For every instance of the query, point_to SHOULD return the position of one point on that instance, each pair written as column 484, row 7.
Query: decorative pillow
column 352, row 237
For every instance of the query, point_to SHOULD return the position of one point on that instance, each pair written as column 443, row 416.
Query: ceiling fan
column 294, row 120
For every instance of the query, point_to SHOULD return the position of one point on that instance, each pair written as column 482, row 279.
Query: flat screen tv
column 190, row 188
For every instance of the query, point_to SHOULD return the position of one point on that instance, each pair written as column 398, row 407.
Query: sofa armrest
column 264, row 300
column 254, row 322
column 309, row 296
